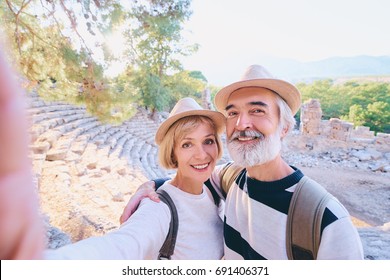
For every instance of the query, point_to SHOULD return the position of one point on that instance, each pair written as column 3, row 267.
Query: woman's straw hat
column 258, row 76
column 189, row 107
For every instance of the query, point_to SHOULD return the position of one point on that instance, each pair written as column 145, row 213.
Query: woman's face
column 196, row 154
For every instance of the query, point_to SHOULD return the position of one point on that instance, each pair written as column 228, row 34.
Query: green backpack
column 308, row 203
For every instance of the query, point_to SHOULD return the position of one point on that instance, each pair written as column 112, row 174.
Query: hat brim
column 287, row 91
column 218, row 118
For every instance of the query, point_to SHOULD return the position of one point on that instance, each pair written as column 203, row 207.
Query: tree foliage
column 47, row 44
column 364, row 104
column 155, row 46
column 62, row 48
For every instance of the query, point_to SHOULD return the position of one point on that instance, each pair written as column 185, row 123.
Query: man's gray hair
column 286, row 117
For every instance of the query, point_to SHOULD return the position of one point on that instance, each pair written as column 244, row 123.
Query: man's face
column 252, row 127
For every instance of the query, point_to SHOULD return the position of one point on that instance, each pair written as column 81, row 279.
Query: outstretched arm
column 147, row 189
column 21, row 227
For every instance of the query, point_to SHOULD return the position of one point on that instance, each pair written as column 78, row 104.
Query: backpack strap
column 214, row 193
column 168, row 247
column 304, row 219
column 229, row 174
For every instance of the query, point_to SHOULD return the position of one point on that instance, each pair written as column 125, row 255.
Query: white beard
column 263, row 151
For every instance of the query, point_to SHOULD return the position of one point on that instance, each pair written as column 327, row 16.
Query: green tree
column 364, row 104
column 356, row 115
column 50, row 49
column 324, row 91
column 185, row 84
column 378, row 116
column 156, row 44
column 61, row 48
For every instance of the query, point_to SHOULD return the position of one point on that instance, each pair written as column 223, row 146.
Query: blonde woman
column 188, row 142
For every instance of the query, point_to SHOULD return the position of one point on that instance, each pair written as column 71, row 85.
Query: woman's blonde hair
column 177, row 132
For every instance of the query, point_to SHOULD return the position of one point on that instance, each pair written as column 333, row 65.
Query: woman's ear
column 173, row 160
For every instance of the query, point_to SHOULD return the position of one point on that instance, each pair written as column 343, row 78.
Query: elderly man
column 260, row 112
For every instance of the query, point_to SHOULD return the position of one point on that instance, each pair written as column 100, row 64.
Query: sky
column 233, row 34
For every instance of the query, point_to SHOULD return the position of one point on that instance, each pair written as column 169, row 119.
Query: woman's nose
column 200, row 153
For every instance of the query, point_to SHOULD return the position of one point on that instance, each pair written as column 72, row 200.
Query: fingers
column 131, row 206
column 147, row 189
column 13, row 122
column 21, row 227
column 152, row 195
column 143, row 191
column 32, row 244
column 149, row 185
column 135, row 200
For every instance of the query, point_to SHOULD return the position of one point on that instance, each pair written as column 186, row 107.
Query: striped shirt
column 256, row 218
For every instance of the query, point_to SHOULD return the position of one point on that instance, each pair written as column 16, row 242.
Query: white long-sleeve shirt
column 200, row 233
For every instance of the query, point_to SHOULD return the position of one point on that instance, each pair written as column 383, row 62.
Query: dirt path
column 365, row 194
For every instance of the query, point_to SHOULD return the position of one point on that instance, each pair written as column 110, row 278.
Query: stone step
column 38, row 116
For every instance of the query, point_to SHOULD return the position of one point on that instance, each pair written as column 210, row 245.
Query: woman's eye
column 209, row 141
column 186, row 145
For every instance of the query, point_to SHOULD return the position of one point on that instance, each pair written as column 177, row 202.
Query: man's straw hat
column 258, row 76
column 189, row 107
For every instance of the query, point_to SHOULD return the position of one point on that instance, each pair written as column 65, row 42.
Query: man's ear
column 284, row 132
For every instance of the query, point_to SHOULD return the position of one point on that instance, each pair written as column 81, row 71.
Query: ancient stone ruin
column 357, row 145
column 312, row 124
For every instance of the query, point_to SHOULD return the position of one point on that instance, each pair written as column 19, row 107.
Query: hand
column 21, row 227
column 147, row 189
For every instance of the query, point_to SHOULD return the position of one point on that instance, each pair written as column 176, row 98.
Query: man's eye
column 231, row 114
column 256, row 111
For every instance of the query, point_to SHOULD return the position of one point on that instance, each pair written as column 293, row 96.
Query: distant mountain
column 334, row 67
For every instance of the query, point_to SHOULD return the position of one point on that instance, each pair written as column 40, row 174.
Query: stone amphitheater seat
column 77, row 158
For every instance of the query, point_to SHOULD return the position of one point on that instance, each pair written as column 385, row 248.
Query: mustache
column 246, row 133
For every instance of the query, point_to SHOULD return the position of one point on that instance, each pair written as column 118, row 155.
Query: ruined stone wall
column 311, row 115
column 338, row 141
column 336, row 129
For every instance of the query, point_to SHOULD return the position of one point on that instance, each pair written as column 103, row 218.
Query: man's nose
column 243, row 122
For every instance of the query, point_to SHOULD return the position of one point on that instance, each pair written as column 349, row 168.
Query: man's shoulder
column 334, row 209
column 220, row 167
